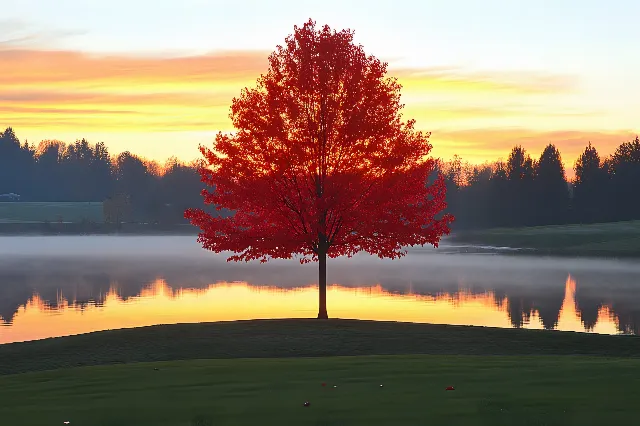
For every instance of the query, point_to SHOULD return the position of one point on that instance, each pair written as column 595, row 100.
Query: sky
column 157, row 77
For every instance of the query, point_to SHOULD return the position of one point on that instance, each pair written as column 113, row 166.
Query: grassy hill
column 594, row 383
column 299, row 338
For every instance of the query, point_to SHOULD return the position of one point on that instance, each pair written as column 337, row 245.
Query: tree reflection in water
column 50, row 297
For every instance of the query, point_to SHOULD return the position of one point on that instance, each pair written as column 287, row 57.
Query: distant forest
column 522, row 191
column 54, row 171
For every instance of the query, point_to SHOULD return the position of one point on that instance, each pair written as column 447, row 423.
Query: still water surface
column 55, row 286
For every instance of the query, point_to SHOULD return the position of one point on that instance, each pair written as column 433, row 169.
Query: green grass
column 299, row 338
column 261, row 372
column 12, row 212
column 601, row 239
column 488, row 391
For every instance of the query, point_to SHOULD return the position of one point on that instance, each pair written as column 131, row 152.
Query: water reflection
column 47, row 296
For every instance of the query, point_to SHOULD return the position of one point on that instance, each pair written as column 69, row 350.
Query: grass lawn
column 493, row 391
column 616, row 239
column 261, row 372
column 51, row 211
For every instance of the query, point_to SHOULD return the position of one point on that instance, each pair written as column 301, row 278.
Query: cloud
column 16, row 33
column 24, row 68
column 435, row 114
column 55, row 92
column 58, row 88
column 447, row 79
column 220, row 98
column 62, row 90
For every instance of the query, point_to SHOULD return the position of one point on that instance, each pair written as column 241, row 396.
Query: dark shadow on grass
column 202, row 420
column 299, row 338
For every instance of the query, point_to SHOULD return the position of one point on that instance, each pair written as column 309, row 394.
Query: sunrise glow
column 162, row 83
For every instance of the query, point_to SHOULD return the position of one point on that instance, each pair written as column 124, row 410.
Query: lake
column 62, row 285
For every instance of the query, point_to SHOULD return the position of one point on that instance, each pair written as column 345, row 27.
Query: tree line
column 521, row 191
column 57, row 172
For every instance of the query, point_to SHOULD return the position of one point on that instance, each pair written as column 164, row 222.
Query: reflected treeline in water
column 528, row 291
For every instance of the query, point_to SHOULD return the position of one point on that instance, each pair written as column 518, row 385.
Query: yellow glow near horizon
column 158, row 304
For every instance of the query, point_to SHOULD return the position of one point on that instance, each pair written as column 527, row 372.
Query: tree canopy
column 321, row 161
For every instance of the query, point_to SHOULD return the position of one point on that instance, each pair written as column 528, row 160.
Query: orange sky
column 160, row 106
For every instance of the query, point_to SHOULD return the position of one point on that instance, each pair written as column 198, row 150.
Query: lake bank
column 94, row 228
column 299, row 338
column 488, row 390
column 616, row 239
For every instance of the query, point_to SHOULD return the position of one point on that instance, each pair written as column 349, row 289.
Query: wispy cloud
column 55, row 92
column 448, row 79
column 443, row 114
column 85, row 71
column 58, row 88
column 16, row 33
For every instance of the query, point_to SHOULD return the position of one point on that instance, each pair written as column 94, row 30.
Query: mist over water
column 172, row 279
column 101, row 246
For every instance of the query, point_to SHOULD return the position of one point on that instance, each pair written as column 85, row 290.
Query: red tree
column 321, row 163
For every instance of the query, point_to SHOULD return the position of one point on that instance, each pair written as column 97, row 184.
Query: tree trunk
column 322, row 283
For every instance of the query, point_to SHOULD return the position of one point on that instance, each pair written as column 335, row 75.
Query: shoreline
column 612, row 239
column 92, row 228
column 600, row 240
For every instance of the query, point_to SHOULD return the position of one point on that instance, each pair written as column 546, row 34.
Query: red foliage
column 321, row 163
